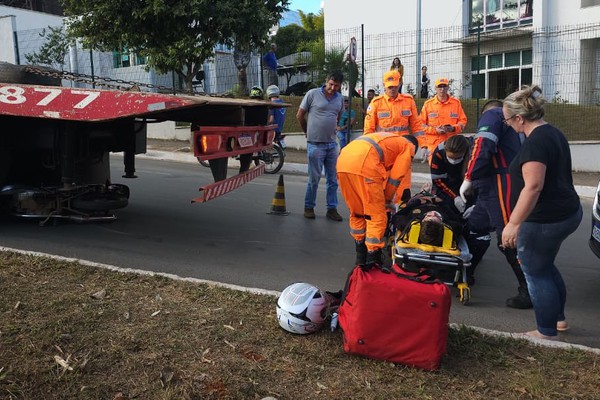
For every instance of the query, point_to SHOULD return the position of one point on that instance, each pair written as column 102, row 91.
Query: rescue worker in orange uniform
column 374, row 172
column 442, row 116
column 393, row 111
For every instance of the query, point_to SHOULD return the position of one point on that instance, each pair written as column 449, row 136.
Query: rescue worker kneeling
column 374, row 175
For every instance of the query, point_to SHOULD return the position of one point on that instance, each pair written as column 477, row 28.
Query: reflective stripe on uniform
column 393, row 182
column 374, row 144
column 392, row 129
column 357, row 231
column 373, row 240
column 487, row 135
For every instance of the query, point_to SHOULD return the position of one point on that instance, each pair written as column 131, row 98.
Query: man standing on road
column 318, row 115
column 495, row 145
column 393, row 111
column 443, row 117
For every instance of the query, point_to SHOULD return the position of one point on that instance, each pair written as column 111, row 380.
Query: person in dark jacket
column 494, row 147
column 448, row 165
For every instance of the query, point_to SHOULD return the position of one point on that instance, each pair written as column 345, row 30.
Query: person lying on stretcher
column 433, row 214
column 432, row 229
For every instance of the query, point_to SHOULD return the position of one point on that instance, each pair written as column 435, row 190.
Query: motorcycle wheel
column 272, row 158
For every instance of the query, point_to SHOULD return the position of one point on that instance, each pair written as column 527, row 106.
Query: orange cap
column 441, row 81
column 391, row 78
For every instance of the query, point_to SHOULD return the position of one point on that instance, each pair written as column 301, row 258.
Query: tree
column 174, row 35
column 253, row 21
column 54, row 50
column 314, row 24
column 290, row 38
column 323, row 61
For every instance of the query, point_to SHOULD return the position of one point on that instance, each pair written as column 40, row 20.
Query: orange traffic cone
column 278, row 204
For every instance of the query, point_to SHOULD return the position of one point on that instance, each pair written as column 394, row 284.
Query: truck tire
column 11, row 73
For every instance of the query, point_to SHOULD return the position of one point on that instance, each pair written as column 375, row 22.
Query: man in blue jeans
column 318, row 115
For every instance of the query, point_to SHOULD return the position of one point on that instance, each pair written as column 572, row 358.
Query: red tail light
column 210, row 143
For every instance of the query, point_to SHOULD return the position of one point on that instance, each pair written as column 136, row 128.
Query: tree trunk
column 242, row 58
column 243, row 81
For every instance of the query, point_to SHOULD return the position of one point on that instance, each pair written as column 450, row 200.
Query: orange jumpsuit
column 393, row 115
column 371, row 170
column 435, row 113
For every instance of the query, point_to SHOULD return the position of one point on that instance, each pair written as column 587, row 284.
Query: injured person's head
column 432, row 229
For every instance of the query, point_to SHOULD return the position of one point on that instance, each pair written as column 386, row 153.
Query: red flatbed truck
column 54, row 153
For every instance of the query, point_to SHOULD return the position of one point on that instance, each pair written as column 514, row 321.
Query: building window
column 512, row 59
column 501, row 74
column 499, row 14
column 127, row 58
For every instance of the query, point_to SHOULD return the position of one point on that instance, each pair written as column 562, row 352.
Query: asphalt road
column 234, row 240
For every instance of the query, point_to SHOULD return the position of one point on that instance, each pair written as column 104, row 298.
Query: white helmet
column 272, row 91
column 302, row 308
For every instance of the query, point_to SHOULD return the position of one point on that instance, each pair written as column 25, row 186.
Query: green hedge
column 576, row 122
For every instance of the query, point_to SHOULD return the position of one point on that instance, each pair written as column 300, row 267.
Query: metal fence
column 563, row 60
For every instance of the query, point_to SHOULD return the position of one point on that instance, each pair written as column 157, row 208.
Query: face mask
column 454, row 161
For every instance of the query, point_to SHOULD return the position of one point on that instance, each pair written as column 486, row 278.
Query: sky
column 307, row 6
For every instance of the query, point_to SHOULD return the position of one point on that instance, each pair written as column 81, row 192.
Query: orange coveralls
column 435, row 113
column 393, row 115
column 370, row 170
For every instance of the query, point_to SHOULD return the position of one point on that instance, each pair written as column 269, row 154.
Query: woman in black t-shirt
column 545, row 207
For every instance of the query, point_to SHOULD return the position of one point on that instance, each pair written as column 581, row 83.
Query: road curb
column 301, row 169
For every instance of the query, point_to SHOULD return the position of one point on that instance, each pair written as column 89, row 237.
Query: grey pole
column 418, row 52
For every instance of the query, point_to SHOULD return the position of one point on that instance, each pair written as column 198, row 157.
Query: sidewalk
column 295, row 163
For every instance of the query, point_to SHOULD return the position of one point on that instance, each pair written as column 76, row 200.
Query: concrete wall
column 168, row 131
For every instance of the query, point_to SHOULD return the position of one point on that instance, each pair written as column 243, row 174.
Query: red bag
column 395, row 317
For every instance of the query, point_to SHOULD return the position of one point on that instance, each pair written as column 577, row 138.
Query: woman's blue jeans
column 322, row 155
column 537, row 247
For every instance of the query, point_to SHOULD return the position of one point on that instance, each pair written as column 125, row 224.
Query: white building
column 554, row 43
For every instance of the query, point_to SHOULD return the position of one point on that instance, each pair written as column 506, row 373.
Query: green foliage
column 174, row 36
column 323, row 61
column 290, row 40
column 294, row 39
column 253, row 21
column 314, row 24
column 54, row 50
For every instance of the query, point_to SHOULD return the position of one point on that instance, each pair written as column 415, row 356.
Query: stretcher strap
column 409, row 239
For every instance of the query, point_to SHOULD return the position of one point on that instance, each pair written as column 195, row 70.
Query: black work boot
column 470, row 271
column 374, row 259
column 521, row 301
column 361, row 252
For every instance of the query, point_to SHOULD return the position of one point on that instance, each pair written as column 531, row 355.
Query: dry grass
column 76, row 332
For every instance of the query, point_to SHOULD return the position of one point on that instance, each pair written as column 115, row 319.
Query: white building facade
column 487, row 48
